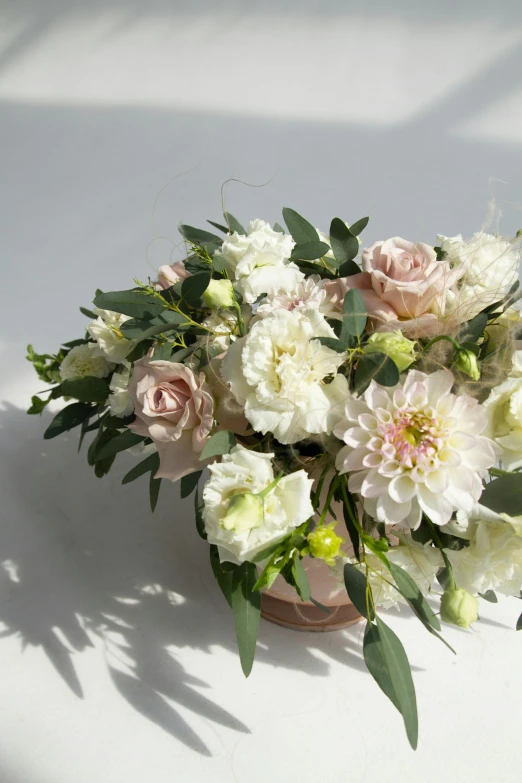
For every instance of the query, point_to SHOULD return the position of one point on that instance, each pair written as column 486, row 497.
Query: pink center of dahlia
column 414, row 436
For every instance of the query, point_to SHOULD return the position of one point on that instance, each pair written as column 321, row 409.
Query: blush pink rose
column 174, row 408
column 170, row 274
column 403, row 286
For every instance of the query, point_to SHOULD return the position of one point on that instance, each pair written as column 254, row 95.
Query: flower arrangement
column 300, row 377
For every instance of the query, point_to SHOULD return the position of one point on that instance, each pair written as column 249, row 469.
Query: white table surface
column 117, row 651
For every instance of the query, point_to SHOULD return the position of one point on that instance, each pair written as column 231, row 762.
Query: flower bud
column 394, row 345
column 459, row 607
column 467, row 363
column 245, row 511
column 219, row 293
column 324, row 543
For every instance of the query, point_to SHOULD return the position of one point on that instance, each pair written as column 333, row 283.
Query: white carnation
column 84, row 360
column 489, row 267
column 307, row 293
column 278, row 372
column 504, row 409
column 284, row 508
column 120, row 401
column 106, row 331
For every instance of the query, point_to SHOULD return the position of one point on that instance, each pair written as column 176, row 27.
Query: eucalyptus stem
column 447, row 563
column 442, row 337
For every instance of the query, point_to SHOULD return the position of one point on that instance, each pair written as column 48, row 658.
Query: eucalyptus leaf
column 143, row 328
column 198, row 512
column 375, row 367
column 344, row 244
column 300, row 579
column 518, row 626
column 490, row 596
column 332, row 343
column 309, row 251
column 88, row 313
column 221, row 442
column 193, row 288
column 472, row 330
column 135, row 303
column 354, row 315
column 122, row 442
column 154, row 485
column 219, row 226
column 504, row 495
column 189, row 483
column 223, row 577
column 301, row 230
column 351, row 528
column 349, row 268
column 204, row 239
column 246, row 606
column 308, row 268
column 359, row 226
column 87, row 388
column 356, row 586
column 375, row 663
column 413, row 595
column 234, row 224
column 69, row 417
column 147, row 465
column 117, row 422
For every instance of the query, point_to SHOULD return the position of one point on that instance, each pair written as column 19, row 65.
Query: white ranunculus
column 84, row 360
column 493, row 559
column 258, row 262
column 106, row 331
column 504, row 409
column 120, row 402
column 309, row 292
column 237, row 520
column 489, row 266
column 278, row 371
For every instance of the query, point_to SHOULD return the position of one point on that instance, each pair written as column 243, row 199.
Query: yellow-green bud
column 219, row 293
column 459, row 607
column 394, row 345
column 324, row 543
column 245, row 511
column 467, row 363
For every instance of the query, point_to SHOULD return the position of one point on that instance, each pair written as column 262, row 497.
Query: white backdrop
column 119, row 119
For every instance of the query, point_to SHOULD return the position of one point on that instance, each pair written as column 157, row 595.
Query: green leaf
column 490, row 596
column 518, row 626
column 332, row 343
column 300, row 579
column 140, row 350
column 37, row 405
column 234, row 224
column 74, row 343
column 147, row 465
column 472, row 330
column 344, row 244
column 504, row 495
column 69, row 417
column 193, row 288
column 143, row 328
column 117, row 422
column 221, row 442
column 86, row 388
column 350, row 526
column 223, row 577
column 196, row 236
column 301, row 230
column 122, row 442
column 198, row 509
column 359, row 226
column 308, row 268
column 189, row 483
column 349, row 268
column 278, row 228
column 102, row 466
column 268, row 551
column 219, row 226
column 135, row 303
column 413, row 595
column 88, row 313
column 154, row 486
column 246, row 605
column 354, row 315
column 320, row 606
column 356, row 584
column 375, row 367
column 310, row 251
column 393, row 674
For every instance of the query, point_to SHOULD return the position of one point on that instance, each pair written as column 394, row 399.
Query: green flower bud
column 467, row 363
column 459, row 607
column 394, row 345
column 245, row 511
column 324, row 544
column 219, row 293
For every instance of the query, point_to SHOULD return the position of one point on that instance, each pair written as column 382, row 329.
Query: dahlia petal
column 368, row 422
column 461, row 441
column 374, row 485
column 390, row 512
column 356, row 481
column 402, row 489
column 437, row 480
column 438, row 509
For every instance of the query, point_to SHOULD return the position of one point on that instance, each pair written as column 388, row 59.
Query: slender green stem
column 442, row 337
column 329, row 497
column 447, row 563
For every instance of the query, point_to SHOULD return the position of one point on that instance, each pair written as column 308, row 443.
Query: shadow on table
column 85, row 564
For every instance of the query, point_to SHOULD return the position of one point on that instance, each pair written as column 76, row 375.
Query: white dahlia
column 84, row 360
column 309, row 292
column 283, row 377
column 415, row 448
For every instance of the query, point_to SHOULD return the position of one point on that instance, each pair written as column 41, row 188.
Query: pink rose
column 170, row 274
column 174, row 408
column 403, row 286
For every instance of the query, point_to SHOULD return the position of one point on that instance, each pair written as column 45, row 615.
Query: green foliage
column 345, row 244
column 69, row 417
column 221, row 442
column 489, row 596
column 359, row 226
column 37, row 404
column 46, row 365
column 117, row 422
column 120, row 442
column 223, row 576
column 142, row 328
column 354, row 315
column 472, row 330
column 203, row 239
column 193, row 288
column 234, row 224
column 518, row 626
column 349, row 268
column 310, row 251
column 246, row 606
column 88, row 313
column 357, row 589
column 332, row 343
column 147, row 465
column 504, row 495
column 198, row 509
column 87, row 388
column 189, row 483
column 301, row 230
column 154, row 483
column 375, row 367
column 135, row 303
column 300, row 578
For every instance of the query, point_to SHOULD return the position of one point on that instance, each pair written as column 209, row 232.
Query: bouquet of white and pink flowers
column 306, row 382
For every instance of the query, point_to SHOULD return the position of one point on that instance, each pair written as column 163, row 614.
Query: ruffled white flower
column 493, row 559
column 489, row 266
column 504, row 410
column 223, row 324
column 309, row 292
column 284, row 508
column 84, row 360
column 120, row 401
column 420, row 561
column 278, row 372
column 106, row 331
column 258, row 261
column 415, row 448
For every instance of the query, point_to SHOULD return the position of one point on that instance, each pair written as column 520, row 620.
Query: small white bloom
column 84, row 360
column 223, row 325
column 489, row 267
column 106, row 331
column 245, row 473
column 309, row 292
column 120, row 402
column 415, row 448
column 278, row 372
column 504, row 410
